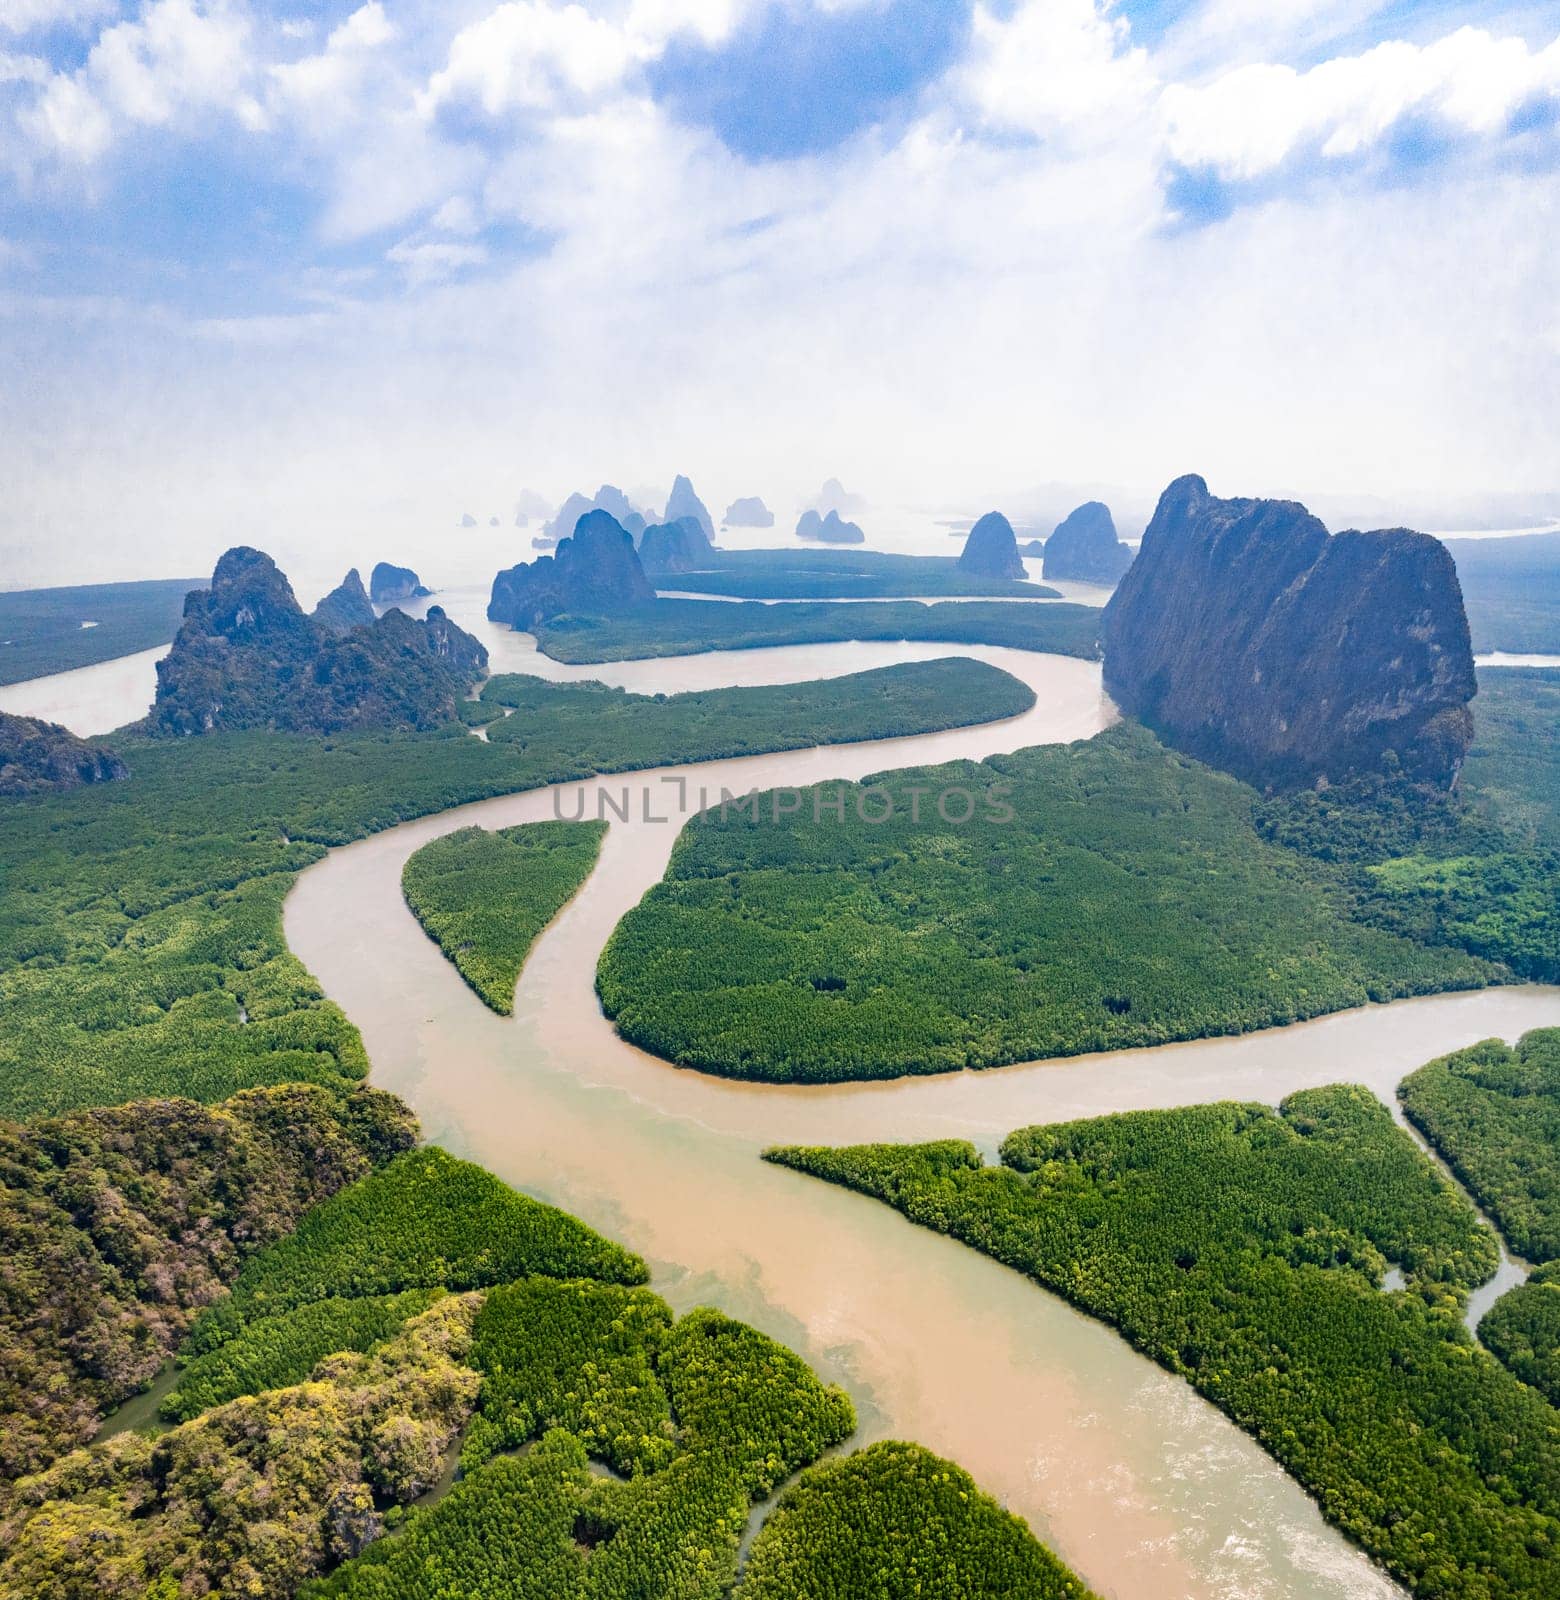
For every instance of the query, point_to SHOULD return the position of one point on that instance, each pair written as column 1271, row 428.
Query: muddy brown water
column 1137, row 1482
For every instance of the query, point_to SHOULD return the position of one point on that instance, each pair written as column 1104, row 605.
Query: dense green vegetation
column 424, row 1221
column 118, row 1225
column 1493, row 1113
column 1127, row 902
column 1478, row 870
column 613, row 730
column 258, row 1493
column 255, row 1496
column 1504, row 906
column 838, row 575
column 1245, row 1249
column 686, row 627
column 141, row 947
column 575, row 1355
column 706, row 1414
column 1523, row 1329
column 1512, row 774
column 276, row 1352
column 894, row 1521
column 41, row 629
column 484, row 897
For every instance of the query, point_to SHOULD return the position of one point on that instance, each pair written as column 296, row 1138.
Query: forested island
column 484, row 897
column 1124, row 896
column 1246, row 1250
column 690, row 627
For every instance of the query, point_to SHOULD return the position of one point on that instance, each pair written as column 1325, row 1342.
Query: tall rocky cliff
column 246, row 656
column 597, row 572
column 1247, row 636
column 1084, row 547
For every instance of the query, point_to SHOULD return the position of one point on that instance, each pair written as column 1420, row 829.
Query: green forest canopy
column 1128, row 901
column 1245, row 1250
column 141, row 947
column 484, row 897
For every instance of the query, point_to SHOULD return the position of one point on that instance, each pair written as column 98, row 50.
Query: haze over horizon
column 321, row 279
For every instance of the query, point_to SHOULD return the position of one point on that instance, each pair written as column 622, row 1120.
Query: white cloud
column 431, row 260
column 1053, row 64
column 1248, row 122
column 177, row 58
column 529, row 55
column 29, row 16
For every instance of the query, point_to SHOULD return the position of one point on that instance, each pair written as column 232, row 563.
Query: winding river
column 1143, row 1487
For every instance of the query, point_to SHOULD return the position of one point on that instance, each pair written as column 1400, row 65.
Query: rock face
column 387, row 584
column 1248, row 636
column 36, row 756
column 347, row 606
column 748, row 512
column 991, row 551
column 1084, row 547
column 831, row 529
column 246, row 656
column 683, row 502
column 1035, row 547
column 597, row 572
column 679, row 546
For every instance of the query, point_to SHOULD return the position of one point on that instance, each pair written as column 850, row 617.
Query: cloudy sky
column 299, row 272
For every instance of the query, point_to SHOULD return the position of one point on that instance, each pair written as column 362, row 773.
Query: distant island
column 607, row 498
column 387, row 584
column 748, row 512
column 683, row 502
column 1084, row 547
column 830, row 529
column 677, row 546
column 991, row 551
column 597, row 571
column 1248, row 636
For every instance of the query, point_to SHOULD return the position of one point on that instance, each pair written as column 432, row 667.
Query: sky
column 318, row 274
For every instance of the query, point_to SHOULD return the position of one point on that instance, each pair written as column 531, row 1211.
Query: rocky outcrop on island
column 748, row 512
column 679, row 546
column 387, row 585
column 683, row 502
column 246, row 656
column 597, row 572
column 991, row 551
column 36, row 756
column 607, row 498
column 830, row 529
column 1035, row 547
column 1249, row 637
column 467, row 520
column 346, row 607
column 1084, row 547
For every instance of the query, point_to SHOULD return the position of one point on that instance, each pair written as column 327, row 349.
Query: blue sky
column 216, row 215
